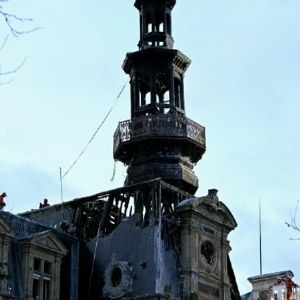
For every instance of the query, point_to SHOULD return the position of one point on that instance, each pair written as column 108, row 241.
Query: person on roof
column 45, row 204
column 2, row 203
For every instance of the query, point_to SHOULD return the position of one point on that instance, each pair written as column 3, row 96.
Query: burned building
column 152, row 238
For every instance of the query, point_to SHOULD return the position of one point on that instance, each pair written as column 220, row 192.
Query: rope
column 95, row 133
column 114, row 171
column 93, row 264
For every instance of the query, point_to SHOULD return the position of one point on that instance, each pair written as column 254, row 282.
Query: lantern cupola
column 155, row 23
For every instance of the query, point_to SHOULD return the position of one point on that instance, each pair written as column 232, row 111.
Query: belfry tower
column 152, row 238
column 159, row 141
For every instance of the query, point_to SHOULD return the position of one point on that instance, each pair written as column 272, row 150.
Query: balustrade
column 160, row 126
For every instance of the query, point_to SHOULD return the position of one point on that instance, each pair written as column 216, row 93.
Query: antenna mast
column 260, row 251
column 61, row 193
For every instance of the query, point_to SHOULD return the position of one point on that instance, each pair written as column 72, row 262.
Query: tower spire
column 159, row 141
column 155, row 23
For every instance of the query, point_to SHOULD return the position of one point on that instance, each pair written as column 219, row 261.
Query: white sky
column 243, row 86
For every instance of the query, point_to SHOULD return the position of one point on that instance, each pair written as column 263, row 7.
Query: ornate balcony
column 160, row 126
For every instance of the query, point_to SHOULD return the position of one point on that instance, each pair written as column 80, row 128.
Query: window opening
column 208, row 252
column 116, row 277
column 41, row 283
column 37, row 264
column 36, row 288
column 167, row 97
column 47, row 267
column 166, row 101
column 145, row 91
column 46, row 289
column 147, row 98
column 161, row 27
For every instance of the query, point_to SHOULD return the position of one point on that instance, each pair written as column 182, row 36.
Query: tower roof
column 169, row 3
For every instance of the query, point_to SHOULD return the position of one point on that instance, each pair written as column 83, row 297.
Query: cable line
column 96, row 131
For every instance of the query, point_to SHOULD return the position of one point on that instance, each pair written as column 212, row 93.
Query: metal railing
column 160, row 126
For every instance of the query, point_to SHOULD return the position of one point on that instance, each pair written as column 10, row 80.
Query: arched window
column 167, row 101
column 147, row 98
column 161, row 27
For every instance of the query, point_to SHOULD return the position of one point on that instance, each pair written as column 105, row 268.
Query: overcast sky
column 243, row 86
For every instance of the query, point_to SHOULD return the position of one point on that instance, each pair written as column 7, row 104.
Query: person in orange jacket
column 2, row 203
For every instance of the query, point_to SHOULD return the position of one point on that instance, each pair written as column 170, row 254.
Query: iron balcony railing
column 159, row 126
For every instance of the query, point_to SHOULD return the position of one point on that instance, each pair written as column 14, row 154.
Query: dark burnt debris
column 132, row 234
column 102, row 213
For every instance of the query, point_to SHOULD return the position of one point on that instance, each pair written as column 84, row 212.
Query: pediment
column 211, row 208
column 217, row 211
column 5, row 229
column 48, row 241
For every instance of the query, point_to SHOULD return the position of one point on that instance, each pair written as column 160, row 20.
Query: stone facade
column 205, row 225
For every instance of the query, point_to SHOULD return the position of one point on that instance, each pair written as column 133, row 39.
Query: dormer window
column 43, row 253
column 41, row 281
